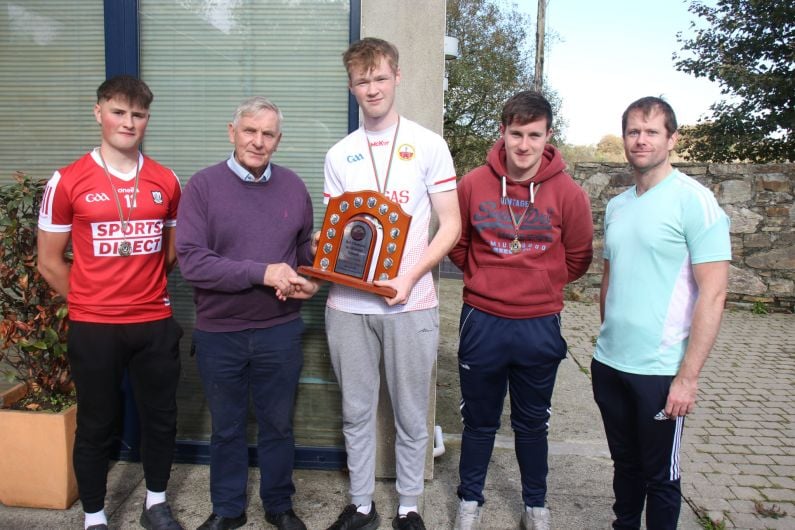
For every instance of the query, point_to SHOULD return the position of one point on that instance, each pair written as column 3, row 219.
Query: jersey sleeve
column 176, row 195
column 440, row 172
column 55, row 212
column 606, row 224
column 706, row 228
column 332, row 182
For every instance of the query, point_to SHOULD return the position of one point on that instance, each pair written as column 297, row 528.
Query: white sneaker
column 468, row 516
column 535, row 519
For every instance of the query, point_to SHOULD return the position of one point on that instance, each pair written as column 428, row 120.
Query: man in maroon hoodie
column 526, row 233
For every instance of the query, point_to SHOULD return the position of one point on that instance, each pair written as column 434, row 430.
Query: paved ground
column 738, row 460
column 738, row 457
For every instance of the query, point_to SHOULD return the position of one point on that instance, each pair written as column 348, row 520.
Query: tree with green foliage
column 749, row 49
column 495, row 62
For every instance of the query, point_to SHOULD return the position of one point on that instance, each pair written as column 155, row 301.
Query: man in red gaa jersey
column 119, row 208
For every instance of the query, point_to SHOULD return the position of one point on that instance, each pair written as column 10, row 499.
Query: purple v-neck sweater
column 228, row 231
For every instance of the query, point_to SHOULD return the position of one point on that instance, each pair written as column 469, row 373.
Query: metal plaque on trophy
column 362, row 240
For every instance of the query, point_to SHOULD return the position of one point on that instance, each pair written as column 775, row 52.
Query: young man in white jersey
column 412, row 166
column 119, row 209
column 666, row 262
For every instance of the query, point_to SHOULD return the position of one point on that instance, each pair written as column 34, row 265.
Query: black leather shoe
column 159, row 517
column 219, row 522
column 286, row 520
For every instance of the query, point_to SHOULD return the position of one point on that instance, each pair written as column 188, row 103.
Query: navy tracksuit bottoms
column 496, row 354
column 644, row 446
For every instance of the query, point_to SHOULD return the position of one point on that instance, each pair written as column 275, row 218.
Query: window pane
column 201, row 59
column 52, row 60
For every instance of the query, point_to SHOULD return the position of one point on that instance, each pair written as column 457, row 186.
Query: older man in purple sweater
column 244, row 225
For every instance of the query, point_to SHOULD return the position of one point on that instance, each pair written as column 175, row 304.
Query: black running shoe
column 350, row 519
column 411, row 521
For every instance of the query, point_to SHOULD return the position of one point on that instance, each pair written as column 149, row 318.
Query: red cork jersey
column 104, row 286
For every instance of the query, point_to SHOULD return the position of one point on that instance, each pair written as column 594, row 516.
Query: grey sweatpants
column 409, row 343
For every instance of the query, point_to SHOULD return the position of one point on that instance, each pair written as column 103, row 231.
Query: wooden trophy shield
column 362, row 240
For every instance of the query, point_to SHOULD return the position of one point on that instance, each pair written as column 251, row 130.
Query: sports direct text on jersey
column 144, row 235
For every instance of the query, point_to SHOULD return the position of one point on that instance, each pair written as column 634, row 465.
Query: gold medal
column 516, row 247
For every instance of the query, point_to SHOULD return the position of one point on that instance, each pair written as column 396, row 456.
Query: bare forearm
column 51, row 261
column 711, row 279
column 57, row 276
column 445, row 204
column 703, row 333
column 441, row 244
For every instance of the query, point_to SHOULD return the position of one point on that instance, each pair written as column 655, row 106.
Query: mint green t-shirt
column 651, row 243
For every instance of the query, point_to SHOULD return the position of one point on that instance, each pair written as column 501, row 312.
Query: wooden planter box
column 36, row 468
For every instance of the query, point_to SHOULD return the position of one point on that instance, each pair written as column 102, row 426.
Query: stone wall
column 759, row 201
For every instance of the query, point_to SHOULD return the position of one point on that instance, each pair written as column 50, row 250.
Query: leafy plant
column 759, row 308
column 33, row 329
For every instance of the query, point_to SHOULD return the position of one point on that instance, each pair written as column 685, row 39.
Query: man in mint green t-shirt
column 666, row 262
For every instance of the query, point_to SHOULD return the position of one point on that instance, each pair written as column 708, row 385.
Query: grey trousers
column 409, row 343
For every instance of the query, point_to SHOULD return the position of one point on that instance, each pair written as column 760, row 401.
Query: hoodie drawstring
column 532, row 191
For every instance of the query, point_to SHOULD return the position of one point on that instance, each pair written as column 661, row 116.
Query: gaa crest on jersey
column 157, row 196
column 406, row 152
column 97, row 197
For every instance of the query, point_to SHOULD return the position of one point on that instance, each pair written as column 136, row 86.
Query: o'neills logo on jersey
column 406, row 152
column 157, row 196
column 379, row 143
column 145, row 236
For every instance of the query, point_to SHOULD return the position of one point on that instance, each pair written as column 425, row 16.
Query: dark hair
column 647, row 105
column 526, row 106
column 127, row 87
column 366, row 53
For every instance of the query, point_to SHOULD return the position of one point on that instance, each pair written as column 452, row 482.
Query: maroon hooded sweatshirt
column 521, row 273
